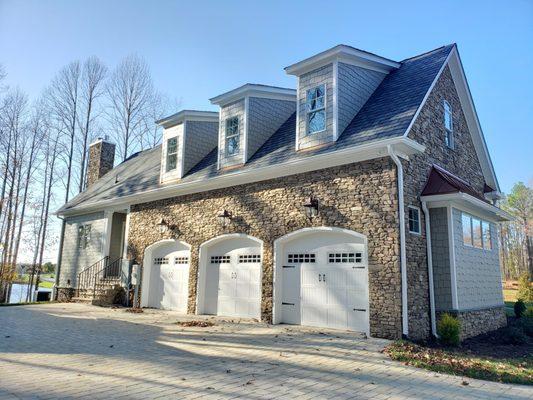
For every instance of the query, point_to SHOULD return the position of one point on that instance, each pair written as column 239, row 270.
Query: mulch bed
column 197, row 324
column 489, row 356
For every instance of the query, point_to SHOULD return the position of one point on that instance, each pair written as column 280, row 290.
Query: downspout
column 403, row 256
column 59, row 257
column 430, row 271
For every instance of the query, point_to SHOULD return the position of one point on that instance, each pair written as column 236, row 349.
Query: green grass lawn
column 460, row 362
column 25, row 278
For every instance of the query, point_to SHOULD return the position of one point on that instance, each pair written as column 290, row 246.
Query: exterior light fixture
column 164, row 226
column 311, row 207
column 224, row 218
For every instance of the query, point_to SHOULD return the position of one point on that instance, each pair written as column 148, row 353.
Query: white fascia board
column 472, row 120
column 349, row 155
column 192, row 115
column 468, row 203
column 252, row 90
column 344, row 54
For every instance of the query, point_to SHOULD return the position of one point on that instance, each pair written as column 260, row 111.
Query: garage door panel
column 357, row 320
column 331, row 286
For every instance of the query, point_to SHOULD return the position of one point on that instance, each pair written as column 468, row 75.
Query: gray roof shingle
column 387, row 113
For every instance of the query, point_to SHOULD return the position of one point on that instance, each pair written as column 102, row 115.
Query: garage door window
column 249, row 258
column 219, row 259
column 302, row 258
column 181, row 260
column 334, row 258
column 161, row 260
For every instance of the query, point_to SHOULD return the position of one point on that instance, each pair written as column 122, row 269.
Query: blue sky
column 199, row 49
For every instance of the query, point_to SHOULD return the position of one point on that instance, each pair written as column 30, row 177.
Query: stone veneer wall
column 361, row 197
column 429, row 130
column 101, row 159
column 477, row 322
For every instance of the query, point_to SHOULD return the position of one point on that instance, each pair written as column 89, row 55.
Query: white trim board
column 363, row 152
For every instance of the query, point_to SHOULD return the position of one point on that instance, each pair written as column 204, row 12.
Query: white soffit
column 468, row 203
column 191, row 115
column 254, row 90
column 345, row 54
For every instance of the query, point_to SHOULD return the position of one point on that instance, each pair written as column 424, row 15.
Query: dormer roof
column 343, row 53
column 194, row 115
column 254, row 90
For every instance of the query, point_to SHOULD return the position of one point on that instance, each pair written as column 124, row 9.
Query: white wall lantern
column 224, row 218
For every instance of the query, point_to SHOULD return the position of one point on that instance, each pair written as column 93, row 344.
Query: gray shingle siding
column 265, row 116
column 74, row 259
column 235, row 109
column 479, row 281
column 355, row 86
column 200, row 139
column 440, row 250
column 323, row 75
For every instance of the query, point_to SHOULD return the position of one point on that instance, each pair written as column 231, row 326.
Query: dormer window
column 448, row 124
column 232, row 136
column 172, row 154
column 316, row 109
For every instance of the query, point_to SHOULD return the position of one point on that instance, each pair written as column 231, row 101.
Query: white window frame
column 236, row 134
column 482, row 222
column 419, row 232
column 175, row 154
column 84, row 236
column 309, row 111
column 447, row 110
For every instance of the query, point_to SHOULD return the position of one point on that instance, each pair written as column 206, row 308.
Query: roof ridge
column 428, row 52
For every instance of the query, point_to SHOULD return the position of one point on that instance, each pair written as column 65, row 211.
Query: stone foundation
column 65, row 294
column 477, row 322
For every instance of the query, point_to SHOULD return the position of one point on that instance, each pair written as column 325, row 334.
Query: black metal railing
column 87, row 277
column 111, row 273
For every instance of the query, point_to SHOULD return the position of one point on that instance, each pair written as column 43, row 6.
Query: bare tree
column 63, row 98
column 93, row 75
column 130, row 93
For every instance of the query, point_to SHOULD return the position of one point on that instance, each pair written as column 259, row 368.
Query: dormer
column 332, row 87
column 249, row 115
column 188, row 136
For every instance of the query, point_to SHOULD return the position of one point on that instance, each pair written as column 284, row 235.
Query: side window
column 172, row 154
column 84, row 236
column 476, row 232
column 315, row 106
column 232, row 136
column 414, row 220
column 448, row 124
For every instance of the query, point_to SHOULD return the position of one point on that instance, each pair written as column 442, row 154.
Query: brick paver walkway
column 77, row 351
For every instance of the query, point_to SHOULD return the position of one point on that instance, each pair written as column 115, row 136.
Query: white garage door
column 238, row 285
column 231, row 283
column 325, row 282
column 167, row 283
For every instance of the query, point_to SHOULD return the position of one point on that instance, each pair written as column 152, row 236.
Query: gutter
column 348, row 155
column 403, row 255
column 430, row 271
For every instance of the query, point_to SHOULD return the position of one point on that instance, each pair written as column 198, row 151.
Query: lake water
column 19, row 290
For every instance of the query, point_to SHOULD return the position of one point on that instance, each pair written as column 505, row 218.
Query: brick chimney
column 101, row 159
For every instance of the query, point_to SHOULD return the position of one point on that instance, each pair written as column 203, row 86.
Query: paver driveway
column 75, row 351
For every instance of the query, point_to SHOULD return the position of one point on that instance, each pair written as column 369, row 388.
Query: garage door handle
column 320, row 277
column 287, row 304
column 359, row 309
column 323, row 277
